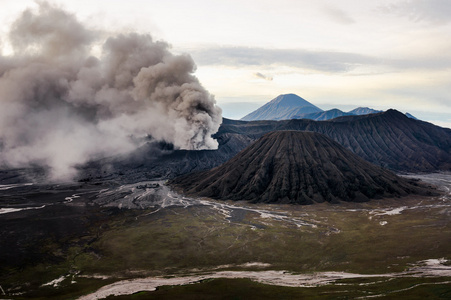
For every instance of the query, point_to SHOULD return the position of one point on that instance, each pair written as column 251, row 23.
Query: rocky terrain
column 296, row 167
column 388, row 139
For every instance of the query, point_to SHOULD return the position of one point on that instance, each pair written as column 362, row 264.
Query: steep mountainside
column 388, row 139
column 295, row 167
column 282, row 107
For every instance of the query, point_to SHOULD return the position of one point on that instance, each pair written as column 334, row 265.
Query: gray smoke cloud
column 263, row 76
column 60, row 105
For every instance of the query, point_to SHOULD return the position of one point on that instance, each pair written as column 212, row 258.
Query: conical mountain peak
column 282, row 107
column 295, row 167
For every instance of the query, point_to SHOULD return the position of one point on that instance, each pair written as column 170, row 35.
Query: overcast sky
column 348, row 53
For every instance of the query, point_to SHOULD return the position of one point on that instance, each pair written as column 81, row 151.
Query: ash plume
column 61, row 105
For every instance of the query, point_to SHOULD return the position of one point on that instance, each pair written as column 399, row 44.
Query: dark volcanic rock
column 388, row 139
column 295, row 167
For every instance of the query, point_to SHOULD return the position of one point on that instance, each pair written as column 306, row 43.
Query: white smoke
column 61, row 106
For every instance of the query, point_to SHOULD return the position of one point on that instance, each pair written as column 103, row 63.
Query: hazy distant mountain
column 335, row 113
column 324, row 115
column 295, row 167
column 291, row 106
column 364, row 111
column 282, row 107
column 304, row 110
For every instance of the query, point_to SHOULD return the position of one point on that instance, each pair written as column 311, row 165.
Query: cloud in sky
column 434, row 12
column 348, row 52
column 319, row 61
column 263, row 76
column 325, row 61
column 338, row 15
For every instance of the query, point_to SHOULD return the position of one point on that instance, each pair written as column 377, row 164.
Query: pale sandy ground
column 427, row 268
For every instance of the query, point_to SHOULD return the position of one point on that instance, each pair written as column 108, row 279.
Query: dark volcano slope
column 388, row 139
column 295, row 167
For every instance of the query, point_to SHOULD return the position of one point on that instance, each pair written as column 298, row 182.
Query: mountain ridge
column 389, row 139
column 363, row 111
column 324, row 115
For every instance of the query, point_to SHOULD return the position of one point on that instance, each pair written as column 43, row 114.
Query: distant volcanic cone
column 296, row 167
